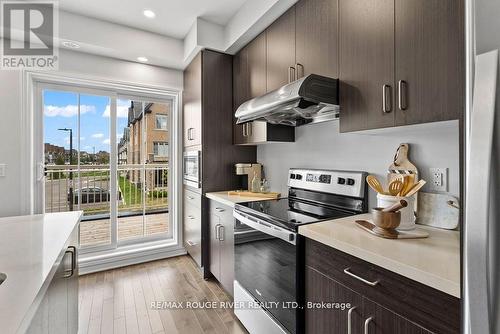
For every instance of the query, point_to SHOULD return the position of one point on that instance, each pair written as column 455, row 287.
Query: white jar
column 407, row 214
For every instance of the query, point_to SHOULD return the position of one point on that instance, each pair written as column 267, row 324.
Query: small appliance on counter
column 250, row 172
column 267, row 244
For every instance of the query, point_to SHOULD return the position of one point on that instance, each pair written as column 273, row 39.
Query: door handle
column 190, row 217
column 367, row 324
column 349, row 319
column 221, row 232
column 348, row 272
column 402, row 95
column 190, row 197
column 245, row 129
column 249, row 129
column 300, row 74
column 291, row 77
column 219, row 209
column 70, row 272
column 386, row 102
column 191, row 243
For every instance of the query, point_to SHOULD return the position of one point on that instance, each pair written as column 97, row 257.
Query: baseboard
column 92, row 264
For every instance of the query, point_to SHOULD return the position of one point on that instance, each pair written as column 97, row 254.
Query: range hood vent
column 311, row 99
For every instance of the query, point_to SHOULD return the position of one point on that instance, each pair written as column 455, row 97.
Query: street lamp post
column 71, row 199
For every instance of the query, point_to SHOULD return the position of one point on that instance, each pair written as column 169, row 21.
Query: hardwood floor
column 119, row 300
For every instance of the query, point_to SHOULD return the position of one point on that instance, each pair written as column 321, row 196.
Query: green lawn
column 130, row 192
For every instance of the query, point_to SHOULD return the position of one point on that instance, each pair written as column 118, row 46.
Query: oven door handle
column 267, row 228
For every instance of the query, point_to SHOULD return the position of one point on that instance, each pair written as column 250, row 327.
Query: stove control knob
column 293, row 221
column 341, row 180
column 350, row 182
column 298, row 177
column 291, row 237
column 292, row 176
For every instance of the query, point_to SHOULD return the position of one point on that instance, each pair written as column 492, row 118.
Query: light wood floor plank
column 120, row 301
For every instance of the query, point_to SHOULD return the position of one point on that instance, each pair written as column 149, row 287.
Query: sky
column 61, row 111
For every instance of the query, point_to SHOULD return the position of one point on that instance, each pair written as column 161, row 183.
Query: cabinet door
column 226, row 248
column 240, row 90
column 192, row 102
column 280, row 50
column 366, row 64
column 379, row 320
column 322, row 319
column 429, row 60
column 257, row 66
column 317, row 37
column 214, row 246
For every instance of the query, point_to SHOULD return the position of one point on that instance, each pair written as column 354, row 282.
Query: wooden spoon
column 406, row 185
column 396, row 206
column 375, row 184
column 415, row 188
column 395, row 187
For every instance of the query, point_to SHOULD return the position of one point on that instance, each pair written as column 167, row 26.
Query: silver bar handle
column 190, row 197
column 402, row 95
column 386, row 106
column 192, row 133
column 274, row 231
column 69, row 272
column 190, row 217
column 219, row 209
column 349, row 319
column 249, row 129
column 300, row 74
column 245, row 129
column 290, row 75
column 367, row 324
column 348, row 272
column 217, row 233
column 221, row 232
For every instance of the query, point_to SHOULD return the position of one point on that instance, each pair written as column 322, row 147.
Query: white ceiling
column 173, row 18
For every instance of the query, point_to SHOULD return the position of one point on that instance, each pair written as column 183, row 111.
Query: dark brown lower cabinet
column 337, row 302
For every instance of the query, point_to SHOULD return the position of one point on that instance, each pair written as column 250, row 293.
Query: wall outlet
column 439, row 179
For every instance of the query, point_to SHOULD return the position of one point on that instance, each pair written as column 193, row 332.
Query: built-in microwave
column 192, row 168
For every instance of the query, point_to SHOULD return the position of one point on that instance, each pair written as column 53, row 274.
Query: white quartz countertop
column 230, row 200
column 433, row 261
column 29, row 248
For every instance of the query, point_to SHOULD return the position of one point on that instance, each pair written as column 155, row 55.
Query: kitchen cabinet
column 394, row 303
column 401, row 62
column 249, row 81
column 429, row 60
column 222, row 244
column 281, row 51
column 192, row 224
column 58, row 309
column 316, row 38
column 366, row 64
column 208, row 128
column 192, row 103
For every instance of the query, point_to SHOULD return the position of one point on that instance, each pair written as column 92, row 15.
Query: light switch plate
column 439, row 179
column 2, row 170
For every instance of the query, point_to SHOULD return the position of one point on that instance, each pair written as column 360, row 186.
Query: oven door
column 266, row 268
column 192, row 170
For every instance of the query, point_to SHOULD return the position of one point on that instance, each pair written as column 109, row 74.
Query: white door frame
column 32, row 151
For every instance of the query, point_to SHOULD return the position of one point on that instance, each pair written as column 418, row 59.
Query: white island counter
column 31, row 247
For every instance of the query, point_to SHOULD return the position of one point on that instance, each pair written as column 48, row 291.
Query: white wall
column 322, row 146
column 70, row 62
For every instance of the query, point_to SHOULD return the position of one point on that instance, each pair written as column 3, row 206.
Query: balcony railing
column 140, row 189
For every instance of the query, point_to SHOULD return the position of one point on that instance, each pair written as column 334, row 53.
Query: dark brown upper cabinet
column 192, row 103
column 316, row 38
column 401, row 62
column 366, row 64
column 429, row 60
column 281, row 51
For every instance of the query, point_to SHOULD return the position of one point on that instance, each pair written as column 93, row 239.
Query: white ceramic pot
column 407, row 214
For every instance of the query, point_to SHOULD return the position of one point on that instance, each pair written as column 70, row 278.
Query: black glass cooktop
column 291, row 213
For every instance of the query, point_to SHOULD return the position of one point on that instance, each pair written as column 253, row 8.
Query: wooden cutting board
column 402, row 166
column 438, row 210
column 245, row 193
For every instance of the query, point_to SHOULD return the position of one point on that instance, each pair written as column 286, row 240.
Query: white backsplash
column 322, row 146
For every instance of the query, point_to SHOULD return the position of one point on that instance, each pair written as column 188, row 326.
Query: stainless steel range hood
column 311, row 99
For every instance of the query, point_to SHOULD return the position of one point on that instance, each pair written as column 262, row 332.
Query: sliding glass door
column 109, row 157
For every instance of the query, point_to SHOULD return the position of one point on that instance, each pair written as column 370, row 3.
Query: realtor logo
column 28, row 31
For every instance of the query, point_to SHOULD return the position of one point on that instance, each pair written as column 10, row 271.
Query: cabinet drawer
column 424, row 305
column 192, row 231
column 192, row 198
column 223, row 211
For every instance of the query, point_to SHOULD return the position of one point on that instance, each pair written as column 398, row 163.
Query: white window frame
column 32, row 152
